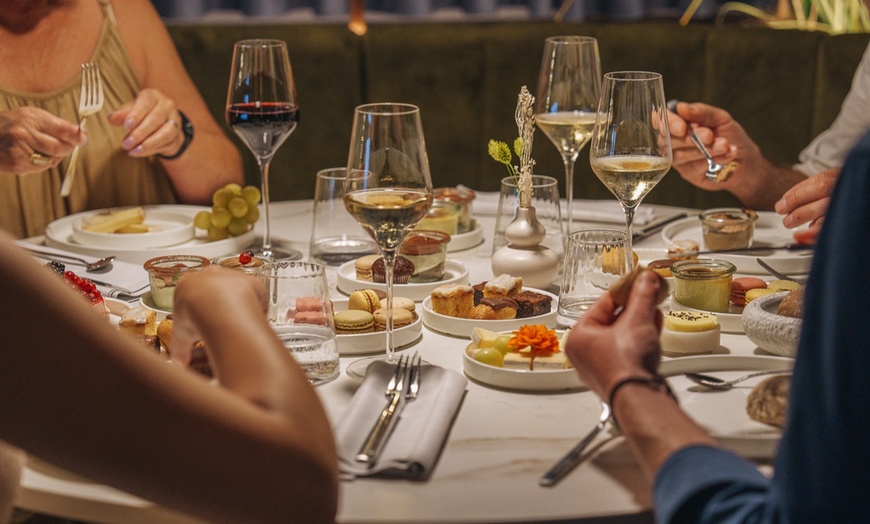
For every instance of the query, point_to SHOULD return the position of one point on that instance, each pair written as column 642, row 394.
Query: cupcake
column 402, row 270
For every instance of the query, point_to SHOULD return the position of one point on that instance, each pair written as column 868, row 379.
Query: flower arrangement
column 539, row 340
column 500, row 152
column 833, row 16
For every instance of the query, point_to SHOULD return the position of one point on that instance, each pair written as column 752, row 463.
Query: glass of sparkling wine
column 565, row 106
column 631, row 145
column 389, row 188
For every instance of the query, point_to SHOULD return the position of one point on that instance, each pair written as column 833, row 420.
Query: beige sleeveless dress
column 106, row 176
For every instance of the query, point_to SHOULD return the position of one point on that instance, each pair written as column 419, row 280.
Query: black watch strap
column 187, row 130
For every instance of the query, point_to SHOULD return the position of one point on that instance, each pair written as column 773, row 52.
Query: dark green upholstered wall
column 783, row 86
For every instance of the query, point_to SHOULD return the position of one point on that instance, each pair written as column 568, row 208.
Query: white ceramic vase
column 524, row 256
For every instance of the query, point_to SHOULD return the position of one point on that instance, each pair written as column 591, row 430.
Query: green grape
column 202, row 220
column 490, row 356
column 221, row 197
column 237, row 226
column 234, row 189
column 253, row 215
column 251, row 195
column 238, row 207
column 220, row 217
column 501, row 344
column 217, row 233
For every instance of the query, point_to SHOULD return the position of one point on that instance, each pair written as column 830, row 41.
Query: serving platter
column 367, row 343
column 723, row 413
column 769, row 232
column 454, row 273
column 462, row 327
column 166, row 228
column 59, row 234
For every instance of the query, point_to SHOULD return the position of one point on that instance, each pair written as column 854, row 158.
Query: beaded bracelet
column 655, row 383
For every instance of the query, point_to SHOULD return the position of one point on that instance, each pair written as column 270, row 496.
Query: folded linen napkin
column 418, row 435
column 608, row 211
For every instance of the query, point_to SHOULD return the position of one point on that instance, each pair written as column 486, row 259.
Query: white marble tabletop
column 500, row 444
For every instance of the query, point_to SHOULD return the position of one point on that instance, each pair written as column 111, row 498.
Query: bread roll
column 768, row 401
column 622, row 288
column 792, row 305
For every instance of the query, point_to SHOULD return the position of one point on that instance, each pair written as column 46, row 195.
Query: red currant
column 245, row 257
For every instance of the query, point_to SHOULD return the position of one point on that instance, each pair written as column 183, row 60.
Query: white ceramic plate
column 461, row 327
column 365, row 343
column 462, row 241
column 147, row 301
column 769, row 231
column 520, row 379
column 166, row 228
column 723, row 413
column 731, row 322
column 59, row 234
column 117, row 308
column 454, row 273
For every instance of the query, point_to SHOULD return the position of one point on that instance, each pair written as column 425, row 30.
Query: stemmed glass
column 388, row 189
column 262, row 110
column 568, row 90
column 631, row 144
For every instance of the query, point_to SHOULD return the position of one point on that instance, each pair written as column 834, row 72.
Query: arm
column 86, row 398
column 27, row 130
column 212, row 160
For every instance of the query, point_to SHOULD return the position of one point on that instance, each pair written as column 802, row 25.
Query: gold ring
column 38, row 159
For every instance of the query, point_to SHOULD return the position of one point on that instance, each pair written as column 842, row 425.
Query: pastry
column 364, row 300
column 402, row 303
column 622, row 288
column 401, row 318
column 353, row 322
column 164, row 333
column 494, row 309
column 503, row 286
column 532, row 304
column 768, row 401
column 453, row 300
column 140, row 323
column 662, row 266
column 478, row 292
column 689, row 333
column 739, row 287
column 402, row 270
column 363, row 267
column 792, row 304
column 683, row 249
column 782, row 285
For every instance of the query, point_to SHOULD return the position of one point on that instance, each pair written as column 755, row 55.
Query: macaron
column 402, row 303
column 364, row 300
column 310, row 317
column 739, row 287
column 401, row 318
column 363, row 267
column 353, row 322
column 309, row 304
column 783, row 285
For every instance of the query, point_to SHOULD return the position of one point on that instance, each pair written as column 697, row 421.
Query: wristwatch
column 187, row 130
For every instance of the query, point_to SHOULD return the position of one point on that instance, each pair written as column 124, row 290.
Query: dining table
column 500, row 443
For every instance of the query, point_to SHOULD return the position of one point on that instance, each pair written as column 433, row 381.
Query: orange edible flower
column 538, row 338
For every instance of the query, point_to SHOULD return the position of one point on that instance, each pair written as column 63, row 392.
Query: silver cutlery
column 90, row 103
column 407, row 368
column 724, row 385
column 575, row 456
column 761, row 250
column 777, row 274
column 89, row 266
column 655, row 227
column 715, row 172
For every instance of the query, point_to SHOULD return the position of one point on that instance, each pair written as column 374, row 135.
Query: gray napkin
column 419, row 434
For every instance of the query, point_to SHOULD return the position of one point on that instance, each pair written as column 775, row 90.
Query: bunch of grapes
column 234, row 210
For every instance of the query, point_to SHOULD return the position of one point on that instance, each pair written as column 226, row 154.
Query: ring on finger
column 40, row 159
column 173, row 123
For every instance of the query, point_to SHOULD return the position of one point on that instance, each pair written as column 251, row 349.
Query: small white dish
column 730, row 322
column 723, row 413
column 166, row 228
column 454, row 273
column 462, row 327
column 467, row 240
column 770, row 331
column 367, row 343
column 147, row 301
column 117, row 308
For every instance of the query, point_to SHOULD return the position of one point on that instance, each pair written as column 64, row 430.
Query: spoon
column 724, row 385
column 715, row 172
column 89, row 266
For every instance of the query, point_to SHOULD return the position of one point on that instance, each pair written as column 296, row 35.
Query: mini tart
column 689, row 333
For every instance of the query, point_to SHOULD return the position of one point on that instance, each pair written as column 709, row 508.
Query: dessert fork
column 90, row 103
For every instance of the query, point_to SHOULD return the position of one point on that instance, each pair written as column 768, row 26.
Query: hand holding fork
column 90, row 103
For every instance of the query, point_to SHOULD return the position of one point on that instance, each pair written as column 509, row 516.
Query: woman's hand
column 153, row 122
column 33, row 140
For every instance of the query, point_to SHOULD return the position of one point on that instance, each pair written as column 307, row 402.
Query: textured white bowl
column 770, row 331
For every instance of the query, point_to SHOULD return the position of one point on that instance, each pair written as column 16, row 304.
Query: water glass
column 545, row 199
column 336, row 236
column 594, row 260
column 300, row 312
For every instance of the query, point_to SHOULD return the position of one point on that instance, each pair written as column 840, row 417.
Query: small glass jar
column 254, row 266
column 164, row 272
column 442, row 216
column 427, row 249
column 703, row 283
column 728, row 228
column 462, row 196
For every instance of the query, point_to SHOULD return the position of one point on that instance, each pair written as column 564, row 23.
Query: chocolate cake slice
column 532, row 304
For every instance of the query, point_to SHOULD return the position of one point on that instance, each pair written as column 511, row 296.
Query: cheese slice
column 521, row 360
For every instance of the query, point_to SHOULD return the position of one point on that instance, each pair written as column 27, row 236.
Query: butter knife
column 655, row 227
column 373, row 444
column 575, row 456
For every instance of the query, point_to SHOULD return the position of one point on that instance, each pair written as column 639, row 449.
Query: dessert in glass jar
column 703, row 283
column 442, row 216
column 462, row 196
column 427, row 249
column 728, row 228
column 164, row 272
column 246, row 262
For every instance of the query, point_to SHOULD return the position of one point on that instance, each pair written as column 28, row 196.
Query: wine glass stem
column 389, row 260
column 629, row 220
column 264, row 181
column 569, row 192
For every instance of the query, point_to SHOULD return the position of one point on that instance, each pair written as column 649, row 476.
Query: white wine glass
column 389, row 188
column 569, row 85
column 262, row 110
column 631, row 144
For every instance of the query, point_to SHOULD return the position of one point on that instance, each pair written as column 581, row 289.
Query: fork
column 406, row 367
column 90, row 103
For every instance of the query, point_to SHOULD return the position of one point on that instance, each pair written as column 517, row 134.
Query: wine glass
column 389, row 188
column 631, row 144
column 262, row 110
column 568, row 90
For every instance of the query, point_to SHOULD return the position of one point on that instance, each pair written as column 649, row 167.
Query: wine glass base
column 278, row 251
column 358, row 369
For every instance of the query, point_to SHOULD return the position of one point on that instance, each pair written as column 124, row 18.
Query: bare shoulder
column 143, row 32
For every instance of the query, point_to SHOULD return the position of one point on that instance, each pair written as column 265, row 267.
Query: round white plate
column 462, row 327
column 468, row 240
column 117, row 308
column 454, row 273
column 365, row 343
column 166, row 228
column 147, row 301
column 769, row 231
column 520, row 379
column 731, row 322
column 723, row 413
column 59, row 234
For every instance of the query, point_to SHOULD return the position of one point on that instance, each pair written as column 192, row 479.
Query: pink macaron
column 739, row 287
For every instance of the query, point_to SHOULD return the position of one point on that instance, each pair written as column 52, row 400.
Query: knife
column 760, row 250
column 655, row 227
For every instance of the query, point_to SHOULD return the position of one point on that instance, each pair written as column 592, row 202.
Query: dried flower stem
column 525, row 118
